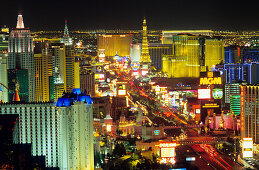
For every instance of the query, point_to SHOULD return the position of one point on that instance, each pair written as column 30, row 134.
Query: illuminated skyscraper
column 157, row 51
column 185, row 61
column 69, row 60
column 214, row 52
column 41, row 77
column 63, row 134
column 249, row 115
column 76, row 139
column 114, row 44
column 193, row 54
column 145, row 57
column 135, row 52
column 37, row 125
column 66, row 39
column 3, row 78
column 20, row 54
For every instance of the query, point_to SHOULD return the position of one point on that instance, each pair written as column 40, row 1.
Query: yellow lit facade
column 214, row 52
column 76, row 74
column 145, row 57
column 191, row 55
column 115, row 43
column 70, row 60
column 41, row 77
column 186, row 58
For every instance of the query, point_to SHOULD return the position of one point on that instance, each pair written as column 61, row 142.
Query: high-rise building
column 233, row 54
column 250, row 54
column 167, row 36
column 135, row 52
column 157, row 51
column 248, row 72
column 235, row 104
column 63, row 134
column 69, row 60
column 66, row 39
column 3, row 78
column 214, row 52
column 76, row 74
column 38, row 125
column 193, row 54
column 70, row 69
column 186, row 56
column 249, row 116
column 18, row 80
column 20, row 54
column 76, row 139
column 145, row 57
column 87, row 82
column 42, row 92
column 57, row 69
column 114, row 44
column 231, row 89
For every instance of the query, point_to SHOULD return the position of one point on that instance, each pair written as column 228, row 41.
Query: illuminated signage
column 210, row 80
column 101, row 55
column 198, row 111
column 135, row 65
column 109, row 128
column 190, row 158
column 210, row 105
column 167, row 145
column 144, row 72
column 156, row 132
column 121, row 92
column 247, row 147
column 217, row 93
column 99, row 77
column 204, row 94
column 157, row 88
column 167, row 152
column 135, row 73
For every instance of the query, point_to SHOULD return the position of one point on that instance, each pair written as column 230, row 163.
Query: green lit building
column 235, row 104
column 18, row 79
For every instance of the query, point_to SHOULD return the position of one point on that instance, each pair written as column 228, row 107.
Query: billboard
column 212, row 78
column 217, row 93
column 121, row 89
column 99, row 77
column 204, row 94
column 247, row 147
column 167, row 152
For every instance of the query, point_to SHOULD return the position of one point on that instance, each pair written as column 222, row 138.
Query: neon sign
column 210, row 80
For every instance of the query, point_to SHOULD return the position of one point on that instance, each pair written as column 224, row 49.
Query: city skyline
column 167, row 15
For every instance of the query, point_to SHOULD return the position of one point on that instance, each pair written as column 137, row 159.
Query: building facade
column 38, row 125
column 157, row 51
column 63, row 134
column 249, row 117
column 3, row 78
column 21, row 55
column 248, row 72
column 114, row 44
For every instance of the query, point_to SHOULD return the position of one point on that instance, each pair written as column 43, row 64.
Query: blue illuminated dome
column 63, row 102
column 68, row 98
column 76, row 91
column 85, row 98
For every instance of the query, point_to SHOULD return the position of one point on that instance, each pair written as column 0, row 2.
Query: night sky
column 128, row 14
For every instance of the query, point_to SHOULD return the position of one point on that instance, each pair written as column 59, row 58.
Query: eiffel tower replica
column 145, row 60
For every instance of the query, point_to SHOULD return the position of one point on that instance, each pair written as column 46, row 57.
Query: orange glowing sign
column 167, row 145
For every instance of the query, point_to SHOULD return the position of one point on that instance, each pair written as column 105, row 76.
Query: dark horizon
column 162, row 15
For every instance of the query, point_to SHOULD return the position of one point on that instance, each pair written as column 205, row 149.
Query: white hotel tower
column 63, row 133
